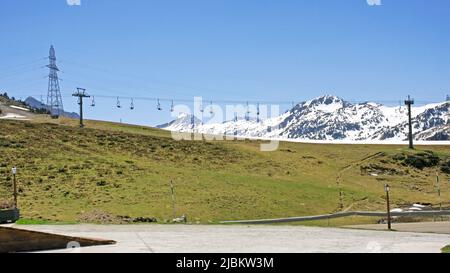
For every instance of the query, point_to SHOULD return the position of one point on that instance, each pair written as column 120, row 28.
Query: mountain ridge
column 332, row 118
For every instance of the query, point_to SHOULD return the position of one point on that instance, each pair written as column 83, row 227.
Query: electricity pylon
column 54, row 99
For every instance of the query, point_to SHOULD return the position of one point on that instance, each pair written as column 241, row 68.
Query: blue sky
column 257, row 50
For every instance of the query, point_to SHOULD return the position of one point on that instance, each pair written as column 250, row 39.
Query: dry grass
column 66, row 172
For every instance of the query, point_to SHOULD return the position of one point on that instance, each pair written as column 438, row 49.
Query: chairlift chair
column 132, row 104
column 400, row 109
column 118, row 103
column 257, row 112
column 192, row 122
column 159, row 106
column 93, row 101
column 247, row 113
column 211, row 111
column 172, row 107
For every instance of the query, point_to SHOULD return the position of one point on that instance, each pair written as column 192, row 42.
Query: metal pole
column 14, row 171
column 173, row 199
column 408, row 103
column 388, row 207
column 81, row 112
column 81, row 93
column 411, row 145
column 439, row 191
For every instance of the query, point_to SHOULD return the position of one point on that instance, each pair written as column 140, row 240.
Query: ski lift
column 400, row 108
column 159, row 106
column 171, row 107
column 257, row 112
column 132, row 104
column 118, row 103
column 211, row 108
column 93, row 101
column 247, row 114
column 192, row 122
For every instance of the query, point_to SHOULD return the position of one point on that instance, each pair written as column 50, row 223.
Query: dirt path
column 341, row 173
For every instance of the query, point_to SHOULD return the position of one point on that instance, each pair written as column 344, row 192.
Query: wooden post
column 386, row 188
column 173, row 199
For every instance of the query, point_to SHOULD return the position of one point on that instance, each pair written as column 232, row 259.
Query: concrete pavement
column 251, row 239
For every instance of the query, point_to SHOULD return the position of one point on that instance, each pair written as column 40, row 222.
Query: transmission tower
column 54, row 99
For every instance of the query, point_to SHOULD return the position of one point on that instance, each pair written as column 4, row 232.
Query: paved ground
column 251, row 239
column 425, row 227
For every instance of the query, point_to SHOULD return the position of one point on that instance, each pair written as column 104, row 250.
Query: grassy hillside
column 107, row 170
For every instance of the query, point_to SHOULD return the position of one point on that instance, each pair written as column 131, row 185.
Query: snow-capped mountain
column 332, row 118
column 181, row 123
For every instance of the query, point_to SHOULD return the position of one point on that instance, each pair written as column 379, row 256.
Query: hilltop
column 110, row 171
column 11, row 108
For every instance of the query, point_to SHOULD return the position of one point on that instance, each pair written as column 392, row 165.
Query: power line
column 21, row 72
column 13, row 67
column 116, row 94
column 134, row 77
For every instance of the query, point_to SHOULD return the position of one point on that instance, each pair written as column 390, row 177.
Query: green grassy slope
column 66, row 173
column 446, row 249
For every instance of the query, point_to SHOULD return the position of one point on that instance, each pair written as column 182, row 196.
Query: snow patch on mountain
column 330, row 118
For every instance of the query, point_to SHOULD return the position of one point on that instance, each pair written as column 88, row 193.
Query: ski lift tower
column 408, row 103
column 54, row 99
column 81, row 93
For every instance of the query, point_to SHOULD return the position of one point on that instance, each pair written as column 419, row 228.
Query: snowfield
column 13, row 116
column 20, row 108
